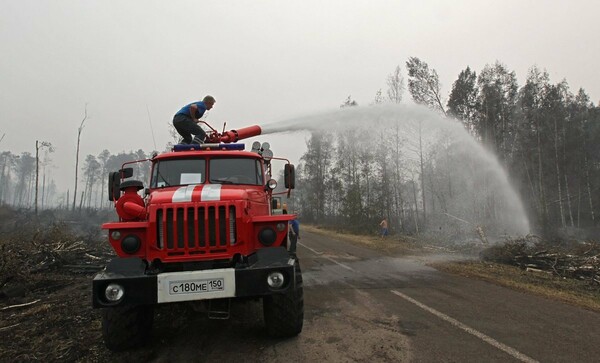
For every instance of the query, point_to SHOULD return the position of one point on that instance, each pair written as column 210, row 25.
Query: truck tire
column 284, row 313
column 126, row 327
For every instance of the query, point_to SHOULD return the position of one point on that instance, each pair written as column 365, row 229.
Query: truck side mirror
column 114, row 182
column 289, row 176
column 276, row 203
column 126, row 173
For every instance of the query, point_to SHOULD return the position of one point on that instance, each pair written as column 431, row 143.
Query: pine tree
column 462, row 103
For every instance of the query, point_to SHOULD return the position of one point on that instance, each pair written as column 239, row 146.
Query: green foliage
column 424, row 84
column 462, row 103
column 496, row 105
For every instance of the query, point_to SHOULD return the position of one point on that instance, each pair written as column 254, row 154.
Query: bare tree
column 8, row 161
column 103, row 158
column 38, row 146
column 378, row 98
column 45, row 161
column 421, row 164
column 395, row 83
column 91, row 171
column 77, row 154
column 25, row 168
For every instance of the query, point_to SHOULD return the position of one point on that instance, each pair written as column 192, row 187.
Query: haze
column 263, row 61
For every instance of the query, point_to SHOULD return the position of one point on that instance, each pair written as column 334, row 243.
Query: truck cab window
column 178, row 172
column 235, row 171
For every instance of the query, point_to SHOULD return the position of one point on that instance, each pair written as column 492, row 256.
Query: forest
column 22, row 175
column 544, row 135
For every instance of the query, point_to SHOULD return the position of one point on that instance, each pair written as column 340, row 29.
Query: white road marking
column 503, row 347
column 327, row 258
column 308, row 248
column 341, row 264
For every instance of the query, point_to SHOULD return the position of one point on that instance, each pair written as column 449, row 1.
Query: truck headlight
column 267, row 236
column 275, row 280
column 114, row 292
column 115, row 235
column 131, row 244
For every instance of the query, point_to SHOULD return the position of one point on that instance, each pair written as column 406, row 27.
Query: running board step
column 219, row 309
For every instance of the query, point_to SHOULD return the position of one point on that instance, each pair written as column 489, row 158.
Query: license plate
column 196, row 286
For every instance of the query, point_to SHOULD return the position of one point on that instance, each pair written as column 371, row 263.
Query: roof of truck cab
column 206, row 153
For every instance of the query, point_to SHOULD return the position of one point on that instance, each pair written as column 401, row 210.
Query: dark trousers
column 186, row 127
column 293, row 240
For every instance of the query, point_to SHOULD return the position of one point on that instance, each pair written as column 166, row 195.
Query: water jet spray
column 477, row 173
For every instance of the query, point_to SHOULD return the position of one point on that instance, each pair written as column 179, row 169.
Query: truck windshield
column 178, row 172
column 235, row 171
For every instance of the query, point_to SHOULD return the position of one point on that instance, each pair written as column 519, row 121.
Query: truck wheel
column 126, row 327
column 284, row 313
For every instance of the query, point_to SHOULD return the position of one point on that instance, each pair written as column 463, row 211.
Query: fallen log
column 85, row 267
column 20, row 305
column 10, row 326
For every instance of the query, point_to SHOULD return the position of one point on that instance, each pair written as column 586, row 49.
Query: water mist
column 475, row 190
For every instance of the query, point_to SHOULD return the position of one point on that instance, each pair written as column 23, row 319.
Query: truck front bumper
column 129, row 276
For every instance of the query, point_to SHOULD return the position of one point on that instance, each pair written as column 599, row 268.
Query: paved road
column 363, row 306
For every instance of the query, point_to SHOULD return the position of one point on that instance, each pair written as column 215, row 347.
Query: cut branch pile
column 576, row 260
column 46, row 271
column 53, row 248
column 74, row 255
column 582, row 267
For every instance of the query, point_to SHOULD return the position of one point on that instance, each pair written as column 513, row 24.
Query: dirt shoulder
column 463, row 260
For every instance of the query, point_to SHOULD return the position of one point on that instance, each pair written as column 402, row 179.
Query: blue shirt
column 295, row 226
column 199, row 112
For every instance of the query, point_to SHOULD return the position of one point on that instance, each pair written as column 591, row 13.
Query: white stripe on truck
column 183, row 194
column 211, row 192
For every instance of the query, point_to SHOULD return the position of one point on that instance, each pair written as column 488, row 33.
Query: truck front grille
column 195, row 230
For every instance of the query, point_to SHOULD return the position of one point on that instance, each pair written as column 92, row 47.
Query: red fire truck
column 203, row 232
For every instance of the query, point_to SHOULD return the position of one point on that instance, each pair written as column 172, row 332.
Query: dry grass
column 390, row 245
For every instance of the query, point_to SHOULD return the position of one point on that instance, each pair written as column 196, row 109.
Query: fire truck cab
column 203, row 231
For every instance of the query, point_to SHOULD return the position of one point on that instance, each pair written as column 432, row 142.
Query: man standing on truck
column 186, row 120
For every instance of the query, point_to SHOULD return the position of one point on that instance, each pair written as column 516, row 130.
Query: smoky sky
column 135, row 63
